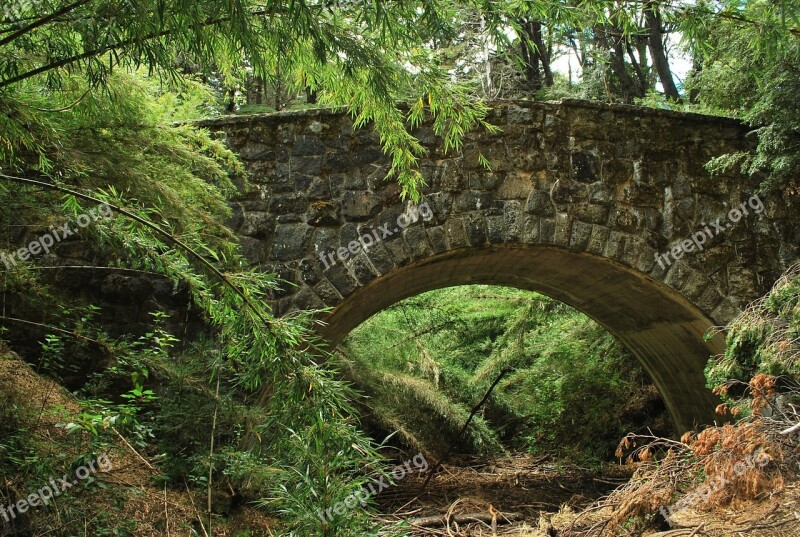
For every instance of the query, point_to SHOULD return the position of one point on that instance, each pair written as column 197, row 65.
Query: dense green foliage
column 89, row 92
column 176, row 180
column 364, row 56
column 762, row 340
column 570, row 387
column 750, row 70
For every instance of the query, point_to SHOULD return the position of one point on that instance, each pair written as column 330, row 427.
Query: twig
column 41, row 22
column 166, row 510
column 441, row 520
column 132, row 449
column 464, row 428
column 199, row 518
column 767, row 526
column 697, row 529
column 211, row 450
column 141, row 489
column 95, row 267
column 56, row 329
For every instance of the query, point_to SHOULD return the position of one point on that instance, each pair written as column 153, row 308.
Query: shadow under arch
column 663, row 329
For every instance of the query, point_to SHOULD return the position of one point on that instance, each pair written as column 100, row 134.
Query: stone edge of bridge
column 629, row 109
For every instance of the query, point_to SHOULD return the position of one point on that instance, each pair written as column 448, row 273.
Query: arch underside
column 658, row 325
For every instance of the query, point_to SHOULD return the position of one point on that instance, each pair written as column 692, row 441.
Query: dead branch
column 465, row 518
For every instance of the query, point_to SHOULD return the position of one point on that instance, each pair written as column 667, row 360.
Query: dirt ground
column 158, row 511
column 526, row 496
column 506, row 493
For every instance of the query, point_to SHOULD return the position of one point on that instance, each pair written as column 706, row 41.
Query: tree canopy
column 444, row 57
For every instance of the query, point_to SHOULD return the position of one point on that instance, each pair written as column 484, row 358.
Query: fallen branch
column 133, row 449
column 166, row 510
column 464, row 428
column 196, row 512
column 442, row 520
column 697, row 529
column 793, row 429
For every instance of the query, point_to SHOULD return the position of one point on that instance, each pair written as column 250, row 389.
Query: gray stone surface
column 580, row 199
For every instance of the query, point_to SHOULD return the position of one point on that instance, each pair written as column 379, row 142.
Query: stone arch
column 659, row 326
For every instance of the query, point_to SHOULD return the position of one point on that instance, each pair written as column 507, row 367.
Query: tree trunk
column 641, row 51
column 658, row 53
column 629, row 87
column 543, row 52
column 486, row 80
column 311, row 96
column 255, row 90
column 697, row 66
column 536, row 56
column 579, row 47
column 637, row 67
column 230, row 97
column 530, row 59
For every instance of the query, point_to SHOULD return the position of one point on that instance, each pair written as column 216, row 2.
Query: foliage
column 32, row 453
column 425, row 362
column 758, row 374
column 365, row 56
column 89, row 95
column 719, row 466
column 169, row 187
column 734, row 463
column 750, row 69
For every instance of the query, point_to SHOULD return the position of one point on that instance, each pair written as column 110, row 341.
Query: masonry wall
column 620, row 182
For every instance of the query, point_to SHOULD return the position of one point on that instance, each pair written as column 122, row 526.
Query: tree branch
column 116, row 46
column 464, row 428
column 41, row 22
column 793, row 429
column 55, row 329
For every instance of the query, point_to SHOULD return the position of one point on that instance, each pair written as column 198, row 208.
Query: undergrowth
column 568, row 387
column 729, row 465
column 237, row 408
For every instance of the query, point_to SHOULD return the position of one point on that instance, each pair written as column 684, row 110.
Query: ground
column 522, row 495
column 526, row 496
column 128, row 489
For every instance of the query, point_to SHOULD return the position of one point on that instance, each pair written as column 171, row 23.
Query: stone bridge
column 606, row 208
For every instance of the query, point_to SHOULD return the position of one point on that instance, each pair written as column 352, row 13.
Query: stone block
column 290, row 242
column 359, row 206
column 454, row 233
